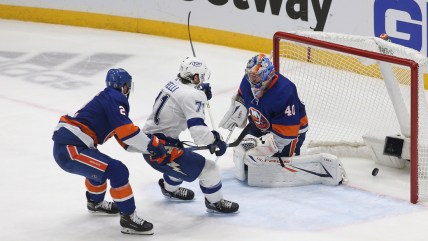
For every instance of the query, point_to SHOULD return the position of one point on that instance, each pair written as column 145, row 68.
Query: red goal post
column 305, row 56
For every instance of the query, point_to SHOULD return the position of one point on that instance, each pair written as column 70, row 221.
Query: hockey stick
column 188, row 31
column 227, row 139
column 211, row 115
column 232, row 144
column 194, row 55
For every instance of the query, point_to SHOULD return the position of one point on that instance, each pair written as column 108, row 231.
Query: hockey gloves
column 206, row 88
column 218, row 143
column 157, row 150
column 161, row 154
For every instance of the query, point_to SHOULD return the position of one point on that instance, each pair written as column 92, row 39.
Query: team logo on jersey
column 259, row 119
column 176, row 167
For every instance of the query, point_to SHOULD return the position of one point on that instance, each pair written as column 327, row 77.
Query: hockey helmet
column 118, row 78
column 259, row 70
column 192, row 66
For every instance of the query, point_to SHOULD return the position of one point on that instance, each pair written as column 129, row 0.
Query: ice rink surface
column 50, row 70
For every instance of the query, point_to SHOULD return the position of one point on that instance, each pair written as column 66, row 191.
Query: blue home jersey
column 104, row 116
column 104, row 113
column 279, row 110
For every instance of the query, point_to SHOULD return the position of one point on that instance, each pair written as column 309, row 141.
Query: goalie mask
column 259, row 73
column 192, row 66
column 121, row 80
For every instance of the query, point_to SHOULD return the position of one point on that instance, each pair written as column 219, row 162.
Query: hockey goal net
column 352, row 85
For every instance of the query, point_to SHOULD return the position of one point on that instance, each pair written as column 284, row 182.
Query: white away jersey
column 178, row 107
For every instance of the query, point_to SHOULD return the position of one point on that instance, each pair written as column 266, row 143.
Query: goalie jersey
column 179, row 107
column 279, row 110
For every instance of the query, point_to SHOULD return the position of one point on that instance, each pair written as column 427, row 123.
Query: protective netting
column 346, row 95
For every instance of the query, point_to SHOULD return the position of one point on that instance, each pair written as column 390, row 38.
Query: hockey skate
column 132, row 224
column 222, row 206
column 103, row 207
column 180, row 194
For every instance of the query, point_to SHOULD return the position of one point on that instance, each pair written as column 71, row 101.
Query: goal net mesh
column 346, row 95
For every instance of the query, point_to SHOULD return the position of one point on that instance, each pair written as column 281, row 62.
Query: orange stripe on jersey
column 87, row 160
column 82, row 127
column 304, row 120
column 125, row 130
column 286, row 130
column 292, row 147
column 122, row 193
column 95, row 189
column 273, row 82
column 121, row 143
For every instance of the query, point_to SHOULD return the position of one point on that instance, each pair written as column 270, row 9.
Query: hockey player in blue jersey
column 269, row 156
column 180, row 106
column 75, row 150
column 272, row 103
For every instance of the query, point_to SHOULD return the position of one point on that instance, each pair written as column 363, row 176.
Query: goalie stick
column 232, row 144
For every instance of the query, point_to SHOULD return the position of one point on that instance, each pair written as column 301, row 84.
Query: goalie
column 269, row 155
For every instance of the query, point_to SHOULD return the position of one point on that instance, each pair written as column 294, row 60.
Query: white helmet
column 191, row 66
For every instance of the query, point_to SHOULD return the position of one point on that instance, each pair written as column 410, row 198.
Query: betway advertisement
column 405, row 21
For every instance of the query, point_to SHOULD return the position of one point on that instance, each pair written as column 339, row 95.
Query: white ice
column 50, row 70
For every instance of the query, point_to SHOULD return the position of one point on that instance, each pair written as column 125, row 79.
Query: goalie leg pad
column 252, row 151
column 258, row 148
column 238, row 160
column 297, row 171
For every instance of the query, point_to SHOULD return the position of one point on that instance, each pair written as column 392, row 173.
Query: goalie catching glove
column 162, row 154
column 236, row 115
column 258, row 148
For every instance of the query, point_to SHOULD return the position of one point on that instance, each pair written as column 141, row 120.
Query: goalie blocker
column 253, row 161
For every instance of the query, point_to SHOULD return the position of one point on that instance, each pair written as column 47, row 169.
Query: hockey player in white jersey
column 180, row 106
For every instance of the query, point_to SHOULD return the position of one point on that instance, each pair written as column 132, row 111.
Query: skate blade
column 174, row 199
column 98, row 213
column 133, row 232
column 213, row 212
